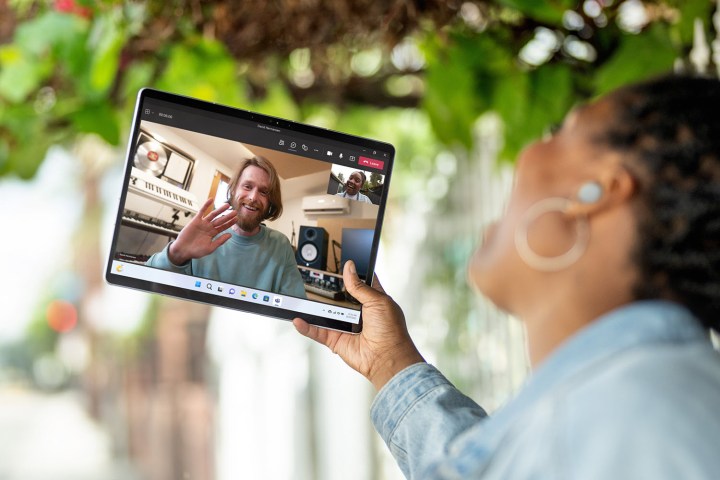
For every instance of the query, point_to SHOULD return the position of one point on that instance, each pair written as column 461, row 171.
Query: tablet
column 247, row 211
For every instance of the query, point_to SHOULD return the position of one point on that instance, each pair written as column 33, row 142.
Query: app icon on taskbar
column 254, row 296
column 198, row 283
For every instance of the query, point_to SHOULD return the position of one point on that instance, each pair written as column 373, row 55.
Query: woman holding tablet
column 609, row 253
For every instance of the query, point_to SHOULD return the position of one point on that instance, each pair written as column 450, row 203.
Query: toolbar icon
column 281, row 143
column 293, row 145
column 305, row 147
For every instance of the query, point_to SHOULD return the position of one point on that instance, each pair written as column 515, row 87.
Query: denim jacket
column 634, row 395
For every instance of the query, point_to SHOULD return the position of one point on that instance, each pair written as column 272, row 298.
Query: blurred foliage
column 415, row 73
column 73, row 67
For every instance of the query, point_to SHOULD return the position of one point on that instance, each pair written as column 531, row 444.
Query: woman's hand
column 197, row 238
column 383, row 348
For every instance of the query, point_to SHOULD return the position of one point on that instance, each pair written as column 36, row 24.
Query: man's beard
column 248, row 221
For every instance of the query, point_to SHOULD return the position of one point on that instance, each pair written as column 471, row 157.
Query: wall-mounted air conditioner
column 325, row 205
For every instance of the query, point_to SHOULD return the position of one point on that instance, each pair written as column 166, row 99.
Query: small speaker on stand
column 312, row 247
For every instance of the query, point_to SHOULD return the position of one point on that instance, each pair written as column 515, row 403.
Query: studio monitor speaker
column 312, row 247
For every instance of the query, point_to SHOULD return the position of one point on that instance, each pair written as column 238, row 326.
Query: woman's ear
column 614, row 188
column 590, row 192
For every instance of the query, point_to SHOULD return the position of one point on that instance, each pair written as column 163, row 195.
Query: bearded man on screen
column 231, row 244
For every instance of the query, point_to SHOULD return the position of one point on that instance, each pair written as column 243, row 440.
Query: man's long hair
column 274, row 195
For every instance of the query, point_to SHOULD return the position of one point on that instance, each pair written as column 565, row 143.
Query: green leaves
column 471, row 75
column 51, row 32
column 476, row 75
column 99, row 118
column 20, row 73
column 39, row 45
column 59, row 47
column 94, row 60
column 689, row 11
column 202, row 68
column 25, row 143
column 542, row 10
column 450, row 102
column 106, row 40
column 460, row 81
column 278, row 102
column 639, row 57
column 529, row 102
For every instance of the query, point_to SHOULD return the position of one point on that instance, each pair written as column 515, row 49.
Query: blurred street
column 49, row 436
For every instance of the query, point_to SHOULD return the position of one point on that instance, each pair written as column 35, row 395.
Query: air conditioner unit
column 325, row 205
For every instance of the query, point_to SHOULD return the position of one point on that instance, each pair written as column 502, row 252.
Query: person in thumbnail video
column 352, row 187
column 231, row 244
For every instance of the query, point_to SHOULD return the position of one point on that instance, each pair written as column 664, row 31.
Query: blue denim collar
column 633, row 325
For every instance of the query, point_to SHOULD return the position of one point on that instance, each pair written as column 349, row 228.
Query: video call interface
column 330, row 191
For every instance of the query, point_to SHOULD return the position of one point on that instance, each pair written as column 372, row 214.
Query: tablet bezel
column 237, row 303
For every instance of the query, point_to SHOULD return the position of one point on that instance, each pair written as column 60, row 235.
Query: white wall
column 295, row 189
column 205, row 164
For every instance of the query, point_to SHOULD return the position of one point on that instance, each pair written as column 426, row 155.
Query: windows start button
column 371, row 162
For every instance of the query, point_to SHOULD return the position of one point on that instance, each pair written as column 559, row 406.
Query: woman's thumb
column 356, row 287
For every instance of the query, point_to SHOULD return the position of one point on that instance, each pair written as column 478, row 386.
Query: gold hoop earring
column 559, row 262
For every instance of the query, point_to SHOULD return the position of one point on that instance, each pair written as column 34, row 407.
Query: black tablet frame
column 213, row 109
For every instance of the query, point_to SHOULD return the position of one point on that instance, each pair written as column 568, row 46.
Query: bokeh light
column 61, row 315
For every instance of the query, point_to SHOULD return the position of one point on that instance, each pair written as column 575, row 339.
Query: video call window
column 356, row 184
column 175, row 170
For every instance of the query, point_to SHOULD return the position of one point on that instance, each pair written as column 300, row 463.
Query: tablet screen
column 246, row 211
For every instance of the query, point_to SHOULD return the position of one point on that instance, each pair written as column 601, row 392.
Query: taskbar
column 260, row 297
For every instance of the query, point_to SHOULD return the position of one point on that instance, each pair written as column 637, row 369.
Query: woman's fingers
column 321, row 335
column 356, row 287
column 376, row 284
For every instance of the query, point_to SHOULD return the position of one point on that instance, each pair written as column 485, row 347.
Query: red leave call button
column 371, row 162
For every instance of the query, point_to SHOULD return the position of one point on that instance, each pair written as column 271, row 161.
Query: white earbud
column 590, row 192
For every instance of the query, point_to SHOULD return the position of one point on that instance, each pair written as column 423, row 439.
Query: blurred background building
column 99, row 382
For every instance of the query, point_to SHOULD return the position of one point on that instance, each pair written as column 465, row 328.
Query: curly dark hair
column 669, row 132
